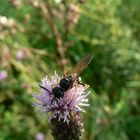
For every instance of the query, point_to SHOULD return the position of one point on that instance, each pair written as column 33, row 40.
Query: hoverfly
column 70, row 77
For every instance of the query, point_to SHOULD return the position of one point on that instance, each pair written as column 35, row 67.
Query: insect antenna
column 44, row 88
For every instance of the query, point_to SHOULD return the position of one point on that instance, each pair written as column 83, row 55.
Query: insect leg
column 81, row 83
column 53, row 99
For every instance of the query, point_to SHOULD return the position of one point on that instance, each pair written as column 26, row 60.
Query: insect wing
column 80, row 66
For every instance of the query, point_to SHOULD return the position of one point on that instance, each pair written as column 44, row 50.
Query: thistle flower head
column 40, row 136
column 61, row 108
column 20, row 55
column 3, row 75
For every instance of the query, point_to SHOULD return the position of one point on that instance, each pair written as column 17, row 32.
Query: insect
column 71, row 77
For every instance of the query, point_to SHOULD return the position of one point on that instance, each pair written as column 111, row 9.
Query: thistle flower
column 40, row 136
column 3, row 75
column 20, row 55
column 63, row 112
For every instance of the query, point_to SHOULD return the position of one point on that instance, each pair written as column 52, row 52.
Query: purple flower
column 3, row 75
column 40, row 136
column 20, row 54
column 62, row 108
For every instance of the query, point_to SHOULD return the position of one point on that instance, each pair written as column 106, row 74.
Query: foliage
column 34, row 43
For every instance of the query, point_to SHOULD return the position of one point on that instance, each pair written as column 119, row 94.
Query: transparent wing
column 80, row 66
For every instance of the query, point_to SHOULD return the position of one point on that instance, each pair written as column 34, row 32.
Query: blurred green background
column 39, row 37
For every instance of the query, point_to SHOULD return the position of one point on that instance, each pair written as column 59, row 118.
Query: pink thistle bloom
column 3, row 75
column 40, row 136
column 72, row 102
column 20, row 55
